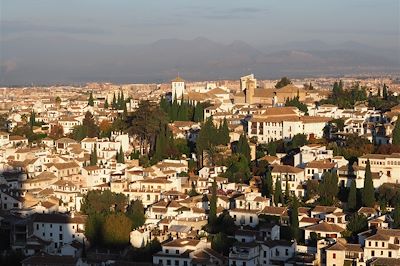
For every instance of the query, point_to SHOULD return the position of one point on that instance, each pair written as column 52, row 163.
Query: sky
column 257, row 22
column 117, row 40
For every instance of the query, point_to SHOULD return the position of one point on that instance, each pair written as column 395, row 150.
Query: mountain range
column 66, row 60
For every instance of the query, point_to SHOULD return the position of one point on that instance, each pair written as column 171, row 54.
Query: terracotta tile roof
column 325, row 227
column 276, row 168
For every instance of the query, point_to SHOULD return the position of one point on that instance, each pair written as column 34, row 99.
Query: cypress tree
column 224, row 131
column 385, row 92
column 396, row 132
column 32, row 119
column 93, row 156
column 121, row 157
column 243, row 147
column 396, row 216
column 352, row 197
column 106, row 104
column 122, row 100
column 294, row 219
column 368, row 195
column 278, row 192
column 287, row 192
column 267, row 186
column 212, row 215
column 198, row 113
column 114, row 102
column 91, row 100
column 379, row 91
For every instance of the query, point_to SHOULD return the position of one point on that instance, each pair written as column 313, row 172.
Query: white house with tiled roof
column 287, row 174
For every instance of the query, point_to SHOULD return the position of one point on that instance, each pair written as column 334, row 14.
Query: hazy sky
column 258, row 22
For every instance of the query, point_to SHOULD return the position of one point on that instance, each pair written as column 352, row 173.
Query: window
column 287, row 252
column 185, row 263
column 177, row 263
column 372, row 253
column 60, row 236
column 376, row 243
column 251, row 219
column 37, row 226
column 51, row 225
column 168, row 262
column 383, row 244
column 244, row 263
column 166, row 251
column 390, row 254
column 177, row 251
column 51, row 234
column 334, row 255
column 15, row 205
column 60, row 227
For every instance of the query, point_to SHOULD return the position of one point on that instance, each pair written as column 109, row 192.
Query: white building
column 178, row 88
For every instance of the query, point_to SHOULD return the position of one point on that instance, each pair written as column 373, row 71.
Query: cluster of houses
column 42, row 185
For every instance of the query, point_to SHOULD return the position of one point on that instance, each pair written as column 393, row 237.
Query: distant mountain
column 52, row 60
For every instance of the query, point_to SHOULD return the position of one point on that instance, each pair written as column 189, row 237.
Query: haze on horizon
column 47, row 41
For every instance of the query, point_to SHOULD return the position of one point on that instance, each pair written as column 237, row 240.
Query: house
column 323, row 230
column 291, row 176
column 59, row 228
column 244, row 216
column 343, row 254
column 64, row 169
column 384, row 243
column 185, row 251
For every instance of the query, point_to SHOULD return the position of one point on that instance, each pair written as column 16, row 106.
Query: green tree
column 104, row 202
column 114, row 102
column 146, row 123
column 368, row 195
column 212, row 215
column 296, row 103
column 352, row 197
column 396, row 216
column 193, row 191
column 357, row 224
column 91, row 100
column 207, row 138
column 396, row 132
column 278, row 192
column 120, row 156
column 224, row 132
column 294, row 219
column 328, row 188
column 287, row 191
column 93, row 156
column 135, row 212
column 267, row 184
column 283, row 82
column 221, row 243
column 106, row 104
column 91, row 128
column 385, row 92
column 116, row 230
column 32, row 119
column 93, row 228
column 243, row 147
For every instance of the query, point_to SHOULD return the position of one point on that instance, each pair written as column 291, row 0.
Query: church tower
column 178, row 88
column 250, row 87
